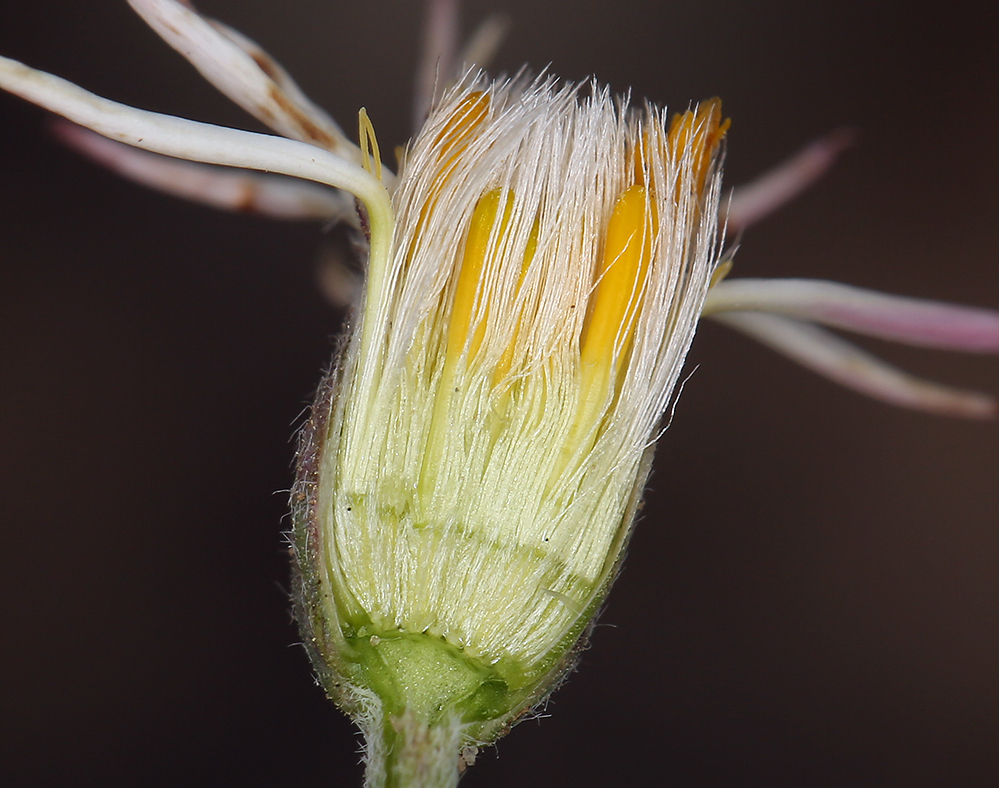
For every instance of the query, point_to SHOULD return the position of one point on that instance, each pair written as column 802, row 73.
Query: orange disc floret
column 620, row 281
column 462, row 124
column 697, row 134
column 450, row 143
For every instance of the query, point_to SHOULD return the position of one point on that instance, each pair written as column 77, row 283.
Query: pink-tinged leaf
column 483, row 44
column 438, row 49
column 914, row 321
column 759, row 198
column 848, row 365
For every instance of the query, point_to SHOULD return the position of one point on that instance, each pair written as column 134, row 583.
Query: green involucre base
column 431, row 678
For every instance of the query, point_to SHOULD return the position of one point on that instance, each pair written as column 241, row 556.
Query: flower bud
column 472, row 467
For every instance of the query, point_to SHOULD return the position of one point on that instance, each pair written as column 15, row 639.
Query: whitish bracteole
column 472, row 468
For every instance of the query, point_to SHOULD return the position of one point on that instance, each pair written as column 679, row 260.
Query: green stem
column 409, row 752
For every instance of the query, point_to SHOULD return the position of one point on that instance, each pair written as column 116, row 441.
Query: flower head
column 475, row 479
column 536, row 270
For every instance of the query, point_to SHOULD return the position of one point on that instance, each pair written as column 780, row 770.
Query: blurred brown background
column 813, row 590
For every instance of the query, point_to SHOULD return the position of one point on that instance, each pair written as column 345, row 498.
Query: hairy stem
column 409, row 752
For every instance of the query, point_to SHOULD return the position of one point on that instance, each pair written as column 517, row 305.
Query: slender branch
column 188, row 139
column 273, row 196
column 246, row 74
